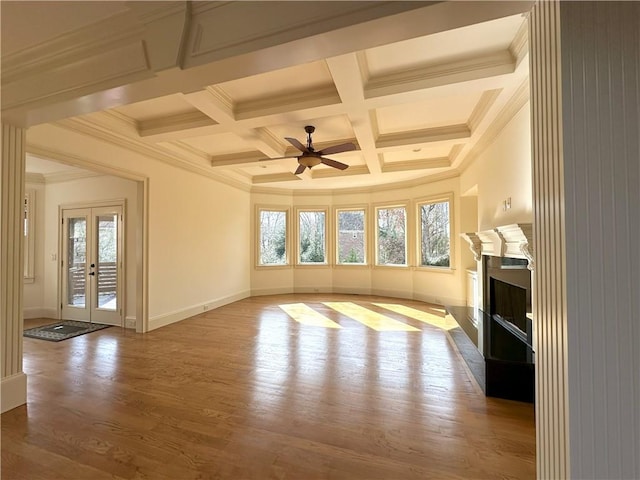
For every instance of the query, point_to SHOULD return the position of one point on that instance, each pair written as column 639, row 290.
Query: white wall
column 198, row 228
column 503, row 171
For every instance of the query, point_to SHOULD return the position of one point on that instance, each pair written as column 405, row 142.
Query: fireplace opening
column 509, row 304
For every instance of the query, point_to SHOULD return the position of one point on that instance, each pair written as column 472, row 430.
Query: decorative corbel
column 527, row 251
column 475, row 244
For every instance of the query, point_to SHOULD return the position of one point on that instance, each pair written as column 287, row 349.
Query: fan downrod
column 309, row 129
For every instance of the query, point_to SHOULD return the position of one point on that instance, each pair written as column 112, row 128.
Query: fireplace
column 505, row 332
column 508, row 335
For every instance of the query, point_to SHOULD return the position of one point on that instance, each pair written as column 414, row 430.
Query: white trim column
column 12, row 171
column 585, row 100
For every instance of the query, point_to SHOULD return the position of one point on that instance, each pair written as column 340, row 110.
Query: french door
column 92, row 264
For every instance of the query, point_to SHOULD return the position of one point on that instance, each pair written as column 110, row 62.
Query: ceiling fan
column 310, row 158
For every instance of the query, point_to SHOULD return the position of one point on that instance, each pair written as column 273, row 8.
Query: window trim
column 29, row 215
column 445, row 197
column 407, row 235
column 351, row 208
column 287, row 233
column 327, row 244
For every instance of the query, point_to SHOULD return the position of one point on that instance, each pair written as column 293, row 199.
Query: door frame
column 122, row 280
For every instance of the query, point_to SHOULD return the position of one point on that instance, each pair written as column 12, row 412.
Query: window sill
column 29, row 280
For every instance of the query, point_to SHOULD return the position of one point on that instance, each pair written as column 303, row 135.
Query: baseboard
column 392, row 293
column 271, row 291
column 313, row 290
column 173, row 317
column 352, row 291
column 13, row 392
column 439, row 300
column 130, row 322
column 40, row 312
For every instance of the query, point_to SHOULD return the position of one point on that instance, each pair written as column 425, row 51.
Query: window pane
column 434, row 225
column 312, row 245
column 273, row 236
column 392, row 246
column 351, row 236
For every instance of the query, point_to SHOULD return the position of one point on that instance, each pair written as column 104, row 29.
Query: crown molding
column 471, row 68
column 334, row 172
column 420, row 164
column 486, row 101
column 237, row 159
column 428, row 135
column 518, row 100
column 174, row 123
column 82, row 162
column 86, row 127
column 519, row 46
column 274, row 177
column 287, row 102
column 31, row 177
column 61, row 177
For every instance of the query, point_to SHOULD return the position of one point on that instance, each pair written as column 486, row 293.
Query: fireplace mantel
column 515, row 241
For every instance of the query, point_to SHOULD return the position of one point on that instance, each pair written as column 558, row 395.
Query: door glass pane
column 106, row 269
column 77, row 261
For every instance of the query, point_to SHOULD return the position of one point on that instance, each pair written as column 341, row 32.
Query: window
column 391, row 236
column 29, row 235
column 351, row 237
column 312, row 234
column 273, row 237
column 435, row 234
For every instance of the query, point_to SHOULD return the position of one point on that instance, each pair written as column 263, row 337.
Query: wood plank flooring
column 246, row 392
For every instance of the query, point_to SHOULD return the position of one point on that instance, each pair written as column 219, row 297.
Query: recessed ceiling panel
column 439, row 150
column 435, row 112
column 443, row 47
column 328, row 129
column 309, row 76
column 157, row 107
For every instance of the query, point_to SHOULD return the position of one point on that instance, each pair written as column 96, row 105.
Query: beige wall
column 33, row 302
column 503, row 170
column 198, row 228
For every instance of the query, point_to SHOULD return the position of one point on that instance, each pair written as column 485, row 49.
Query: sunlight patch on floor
column 446, row 323
column 306, row 315
column 371, row 319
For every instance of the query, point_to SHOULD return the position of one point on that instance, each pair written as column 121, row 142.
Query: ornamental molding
column 514, row 241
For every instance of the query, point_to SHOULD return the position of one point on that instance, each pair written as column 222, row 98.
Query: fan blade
column 333, row 163
column 297, row 144
column 343, row 147
column 300, row 169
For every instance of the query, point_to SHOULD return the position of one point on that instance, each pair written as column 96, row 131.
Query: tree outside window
column 392, row 239
column 351, row 237
column 312, row 236
column 273, row 237
column 435, row 234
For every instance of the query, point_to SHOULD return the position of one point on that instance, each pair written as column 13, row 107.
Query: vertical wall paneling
column 601, row 126
column 13, row 388
column 549, row 304
column 585, row 71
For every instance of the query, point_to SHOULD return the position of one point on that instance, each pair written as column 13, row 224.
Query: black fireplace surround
column 508, row 330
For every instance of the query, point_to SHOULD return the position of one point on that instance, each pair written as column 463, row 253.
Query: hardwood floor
column 246, row 392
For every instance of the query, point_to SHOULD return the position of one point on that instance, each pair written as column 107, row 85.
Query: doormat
column 59, row 331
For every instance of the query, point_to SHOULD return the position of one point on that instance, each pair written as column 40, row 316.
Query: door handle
column 92, row 273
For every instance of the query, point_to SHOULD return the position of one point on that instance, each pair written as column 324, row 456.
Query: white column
column 585, row 89
column 14, row 381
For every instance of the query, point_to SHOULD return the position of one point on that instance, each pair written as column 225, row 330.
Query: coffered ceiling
column 419, row 109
